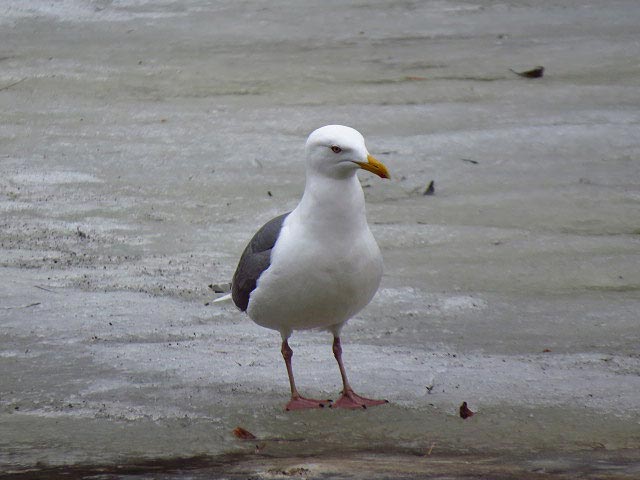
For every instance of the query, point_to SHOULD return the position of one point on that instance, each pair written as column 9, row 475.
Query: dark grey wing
column 255, row 259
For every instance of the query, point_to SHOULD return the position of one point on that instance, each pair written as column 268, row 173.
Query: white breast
column 324, row 269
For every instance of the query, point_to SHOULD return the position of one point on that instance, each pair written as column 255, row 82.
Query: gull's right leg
column 297, row 402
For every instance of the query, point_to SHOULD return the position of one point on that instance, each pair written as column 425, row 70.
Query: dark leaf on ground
column 465, row 412
column 536, row 72
column 243, row 434
column 431, row 188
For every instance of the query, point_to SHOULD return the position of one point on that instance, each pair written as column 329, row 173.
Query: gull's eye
column 336, row 149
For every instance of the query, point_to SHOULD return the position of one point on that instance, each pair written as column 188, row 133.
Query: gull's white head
column 337, row 151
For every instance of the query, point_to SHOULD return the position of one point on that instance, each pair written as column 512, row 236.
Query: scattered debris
column 269, row 193
column 536, row 72
column 465, row 412
column 292, row 472
column 431, row 188
column 220, row 287
column 243, row 434
column 468, row 160
column 546, row 350
column 415, row 78
column 80, row 233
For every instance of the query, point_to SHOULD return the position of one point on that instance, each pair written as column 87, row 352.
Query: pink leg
column 349, row 398
column 297, row 402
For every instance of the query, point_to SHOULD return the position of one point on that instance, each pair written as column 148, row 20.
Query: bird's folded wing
column 255, row 259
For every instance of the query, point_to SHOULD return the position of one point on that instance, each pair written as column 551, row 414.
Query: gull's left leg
column 349, row 398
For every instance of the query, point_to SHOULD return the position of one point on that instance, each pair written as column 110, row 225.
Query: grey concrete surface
column 141, row 145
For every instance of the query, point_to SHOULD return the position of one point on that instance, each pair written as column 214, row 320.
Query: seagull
column 318, row 265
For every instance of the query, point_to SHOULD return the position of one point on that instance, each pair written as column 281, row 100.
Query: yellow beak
column 375, row 166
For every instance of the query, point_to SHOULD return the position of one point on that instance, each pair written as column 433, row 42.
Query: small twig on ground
column 45, row 289
column 22, row 306
column 7, row 87
column 431, row 448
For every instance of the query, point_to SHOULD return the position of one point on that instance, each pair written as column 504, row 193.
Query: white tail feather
column 223, row 298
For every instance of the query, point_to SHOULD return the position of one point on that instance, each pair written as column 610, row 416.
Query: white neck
column 341, row 201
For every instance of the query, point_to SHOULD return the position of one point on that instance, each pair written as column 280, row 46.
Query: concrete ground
column 141, row 145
